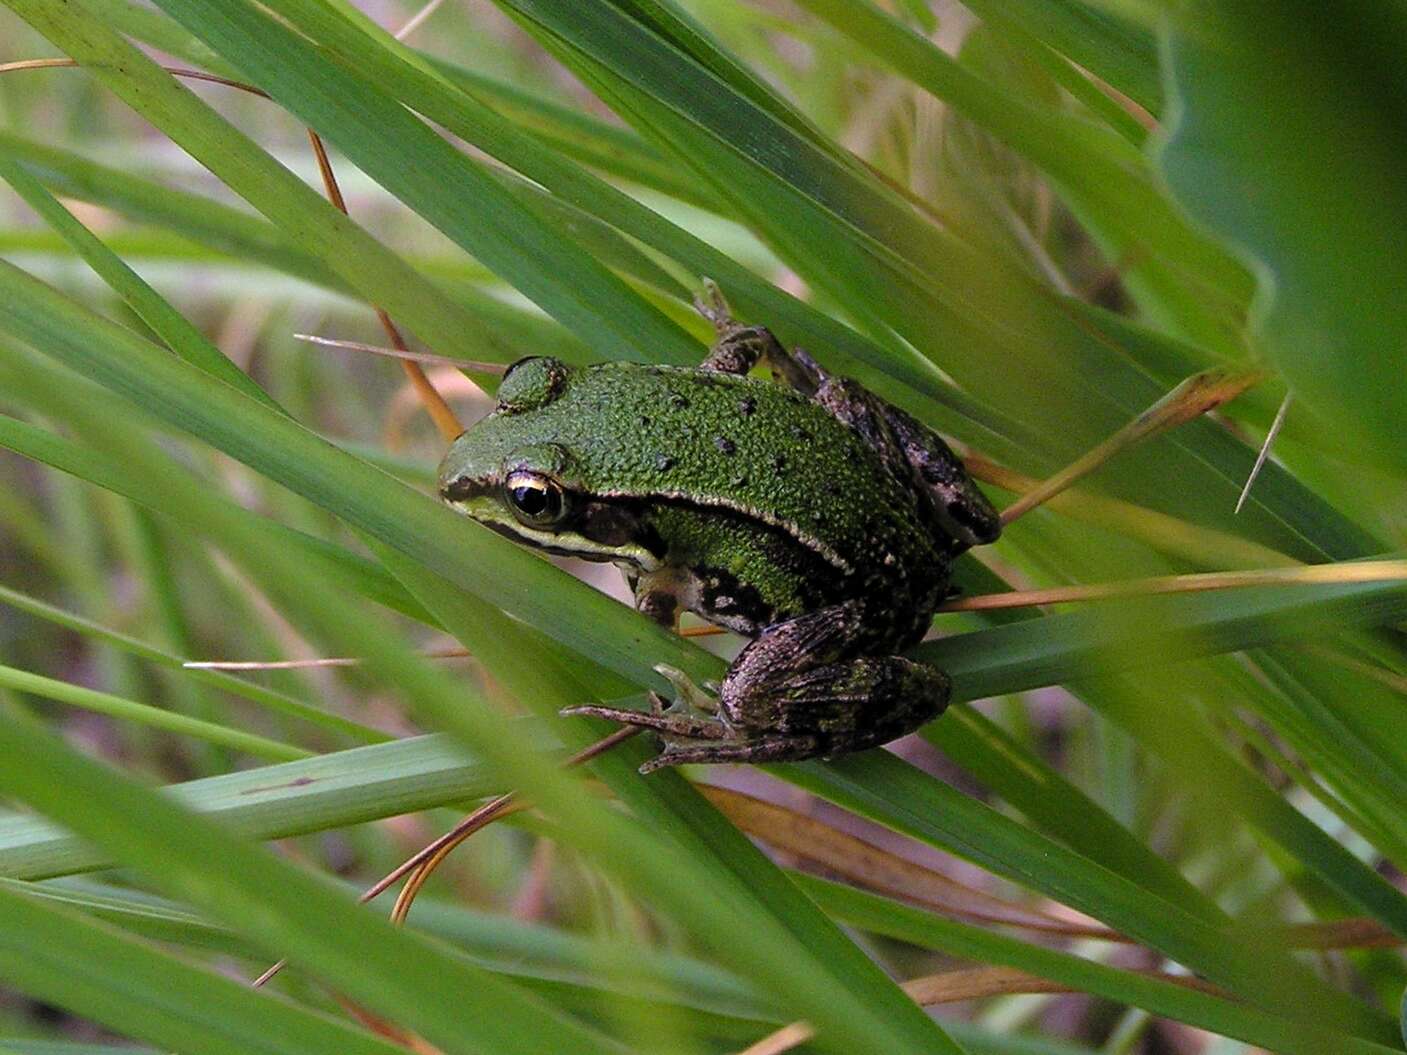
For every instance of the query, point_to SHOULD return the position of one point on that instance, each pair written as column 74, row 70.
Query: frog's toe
column 683, row 751
column 660, row 761
column 667, row 722
column 616, row 714
column 688, row 695
column 711, row 305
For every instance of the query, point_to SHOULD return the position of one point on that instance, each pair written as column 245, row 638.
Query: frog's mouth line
column 594, row 531
column 638, row 557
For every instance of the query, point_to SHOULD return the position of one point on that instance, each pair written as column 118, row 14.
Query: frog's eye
column 536, row 500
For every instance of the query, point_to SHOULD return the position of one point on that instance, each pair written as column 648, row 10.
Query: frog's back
column 747, row 445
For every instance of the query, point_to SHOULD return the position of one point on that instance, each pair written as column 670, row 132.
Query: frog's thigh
column 795, row 680
column 784, row 650
column 864, row 702
column 964, row 511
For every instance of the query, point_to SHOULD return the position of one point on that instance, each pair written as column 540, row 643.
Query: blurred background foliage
column 1164, row 824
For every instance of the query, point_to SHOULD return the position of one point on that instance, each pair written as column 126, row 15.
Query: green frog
column 803, row 512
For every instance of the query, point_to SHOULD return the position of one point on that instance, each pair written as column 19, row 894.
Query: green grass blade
column 1116, row 50
column 1061, row 809
column 895, row 794
column 292, row 798
column 145, row 714
column 442, row 184
column 1162, row 997
column 274, row 701
column 59, row 957
column 303, row 215
column 247, row 237
column 167, row 323
column 1114, row 637
column 1105, row 180
column 284, row 910
column 340, row 566
column 1332, row 316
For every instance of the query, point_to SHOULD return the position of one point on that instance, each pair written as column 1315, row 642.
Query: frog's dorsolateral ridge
column 805, row 513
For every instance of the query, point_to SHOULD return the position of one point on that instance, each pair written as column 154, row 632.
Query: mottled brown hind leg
column 847, row 706
column 965, row 511
column 835, row 709
column 909, row 447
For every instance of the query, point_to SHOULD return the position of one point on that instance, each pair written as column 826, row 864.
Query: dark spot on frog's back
column 746, row 406
column 724, row 444
column 664, row 462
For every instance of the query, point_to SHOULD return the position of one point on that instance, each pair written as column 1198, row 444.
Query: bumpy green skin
column 816, row 519
column 739, row 474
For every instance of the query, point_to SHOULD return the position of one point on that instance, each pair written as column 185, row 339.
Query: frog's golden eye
column 536, row 500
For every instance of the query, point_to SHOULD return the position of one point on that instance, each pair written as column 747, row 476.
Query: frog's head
column 511, row 473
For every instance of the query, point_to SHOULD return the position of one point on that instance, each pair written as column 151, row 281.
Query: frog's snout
column 454, row 482
column 455, row 488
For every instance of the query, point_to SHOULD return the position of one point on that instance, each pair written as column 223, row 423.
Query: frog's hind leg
column 846, row 706
column 863, row 702
column 739, row 347
column 909, row 447
column 816, row 675
column 964, row 510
